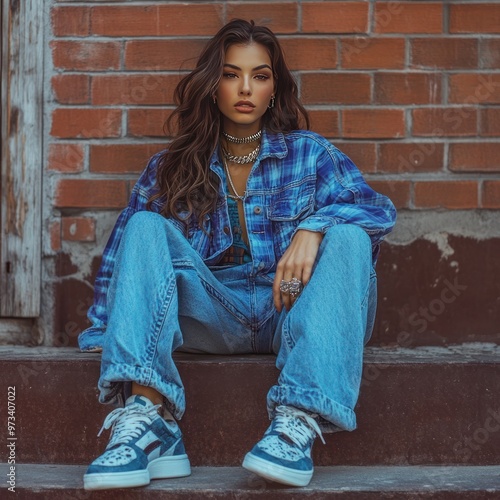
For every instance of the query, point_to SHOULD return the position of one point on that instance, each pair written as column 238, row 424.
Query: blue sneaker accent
column 142, row 446
column 284, row 453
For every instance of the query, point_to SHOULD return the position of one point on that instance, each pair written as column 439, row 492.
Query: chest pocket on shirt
column 287, row 209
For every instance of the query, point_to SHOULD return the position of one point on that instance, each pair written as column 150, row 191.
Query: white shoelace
column 300, row 435
column 128, row 422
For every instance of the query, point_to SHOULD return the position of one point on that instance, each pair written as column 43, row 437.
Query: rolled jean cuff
column 113, row 380
column 332, row 416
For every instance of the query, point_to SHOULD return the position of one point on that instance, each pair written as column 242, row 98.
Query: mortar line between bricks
column 438, row 176
column 349, row 34
column 469, row 2
column 124, row 126
column 334, row 71
column 130, row 38
column 145, row 3
column 299, row 17
column 122, row 55
column 371, row 18
column 446, row 155
column 414, row 71
column 333, row 106
column 446, row 18
column 141, row 140
column 153, row 3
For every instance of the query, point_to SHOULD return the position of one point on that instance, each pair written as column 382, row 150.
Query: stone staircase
column 428, row 426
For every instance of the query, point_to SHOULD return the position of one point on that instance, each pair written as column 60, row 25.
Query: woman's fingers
column 286, row 296
column 288, row 273
column 278, row 278
column 297, row 262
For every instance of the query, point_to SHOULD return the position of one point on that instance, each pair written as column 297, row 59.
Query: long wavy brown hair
column 184, row 180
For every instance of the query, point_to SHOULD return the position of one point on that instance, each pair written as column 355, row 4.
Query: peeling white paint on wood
column 21, row 155
column 16, row 331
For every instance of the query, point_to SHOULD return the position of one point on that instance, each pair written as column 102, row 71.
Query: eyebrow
column 262, row 66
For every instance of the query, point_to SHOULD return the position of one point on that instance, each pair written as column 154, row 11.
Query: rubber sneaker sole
column 160, row 468
column 275, row 472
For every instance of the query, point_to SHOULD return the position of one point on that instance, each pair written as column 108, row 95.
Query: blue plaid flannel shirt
column 299, row 181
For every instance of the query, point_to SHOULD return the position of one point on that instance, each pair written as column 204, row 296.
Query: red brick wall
column 410, row 90
column 407, row 89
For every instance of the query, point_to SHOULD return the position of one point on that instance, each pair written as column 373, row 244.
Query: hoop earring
column 271, row 104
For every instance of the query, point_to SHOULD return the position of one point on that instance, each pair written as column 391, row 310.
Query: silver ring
column 284, row 286
column 293, row 287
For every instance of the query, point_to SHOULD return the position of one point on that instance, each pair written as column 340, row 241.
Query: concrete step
column 61, row 482
column 419, row 406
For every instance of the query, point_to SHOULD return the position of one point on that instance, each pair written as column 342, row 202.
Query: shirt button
column 226, row 230
column 257, row 210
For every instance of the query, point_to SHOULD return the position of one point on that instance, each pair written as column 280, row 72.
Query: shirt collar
column 273, row 145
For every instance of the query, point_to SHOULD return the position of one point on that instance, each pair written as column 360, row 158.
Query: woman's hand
column 297, row 262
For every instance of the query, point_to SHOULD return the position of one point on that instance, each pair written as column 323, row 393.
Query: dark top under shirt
column 238, row 253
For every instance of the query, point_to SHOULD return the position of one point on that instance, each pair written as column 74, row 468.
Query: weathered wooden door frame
column 21, row 158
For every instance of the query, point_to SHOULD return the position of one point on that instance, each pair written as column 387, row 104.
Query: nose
column 246, row 88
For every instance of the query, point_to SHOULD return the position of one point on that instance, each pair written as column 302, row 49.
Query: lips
column 242, row 104
column 244, row 107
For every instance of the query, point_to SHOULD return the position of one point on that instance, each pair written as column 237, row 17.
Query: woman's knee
column 145, row 219
column 347, row 236
column 146, row 225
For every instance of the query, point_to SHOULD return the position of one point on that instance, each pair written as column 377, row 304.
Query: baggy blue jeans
column 163, row 297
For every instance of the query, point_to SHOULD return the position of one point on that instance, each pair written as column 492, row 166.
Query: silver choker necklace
column 241, row 160
column 242, row 140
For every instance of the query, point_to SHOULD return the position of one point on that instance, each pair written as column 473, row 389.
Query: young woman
column 248, row 235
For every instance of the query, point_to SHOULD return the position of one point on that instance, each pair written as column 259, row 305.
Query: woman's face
column 246, row 87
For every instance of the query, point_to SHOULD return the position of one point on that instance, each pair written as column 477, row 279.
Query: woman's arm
column 344, row 197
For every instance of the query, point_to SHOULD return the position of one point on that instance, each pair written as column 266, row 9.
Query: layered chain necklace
column 240, row 160
column 250, row 157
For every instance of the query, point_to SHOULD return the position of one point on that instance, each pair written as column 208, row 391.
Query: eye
column 229, row 75
column 262, row 77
